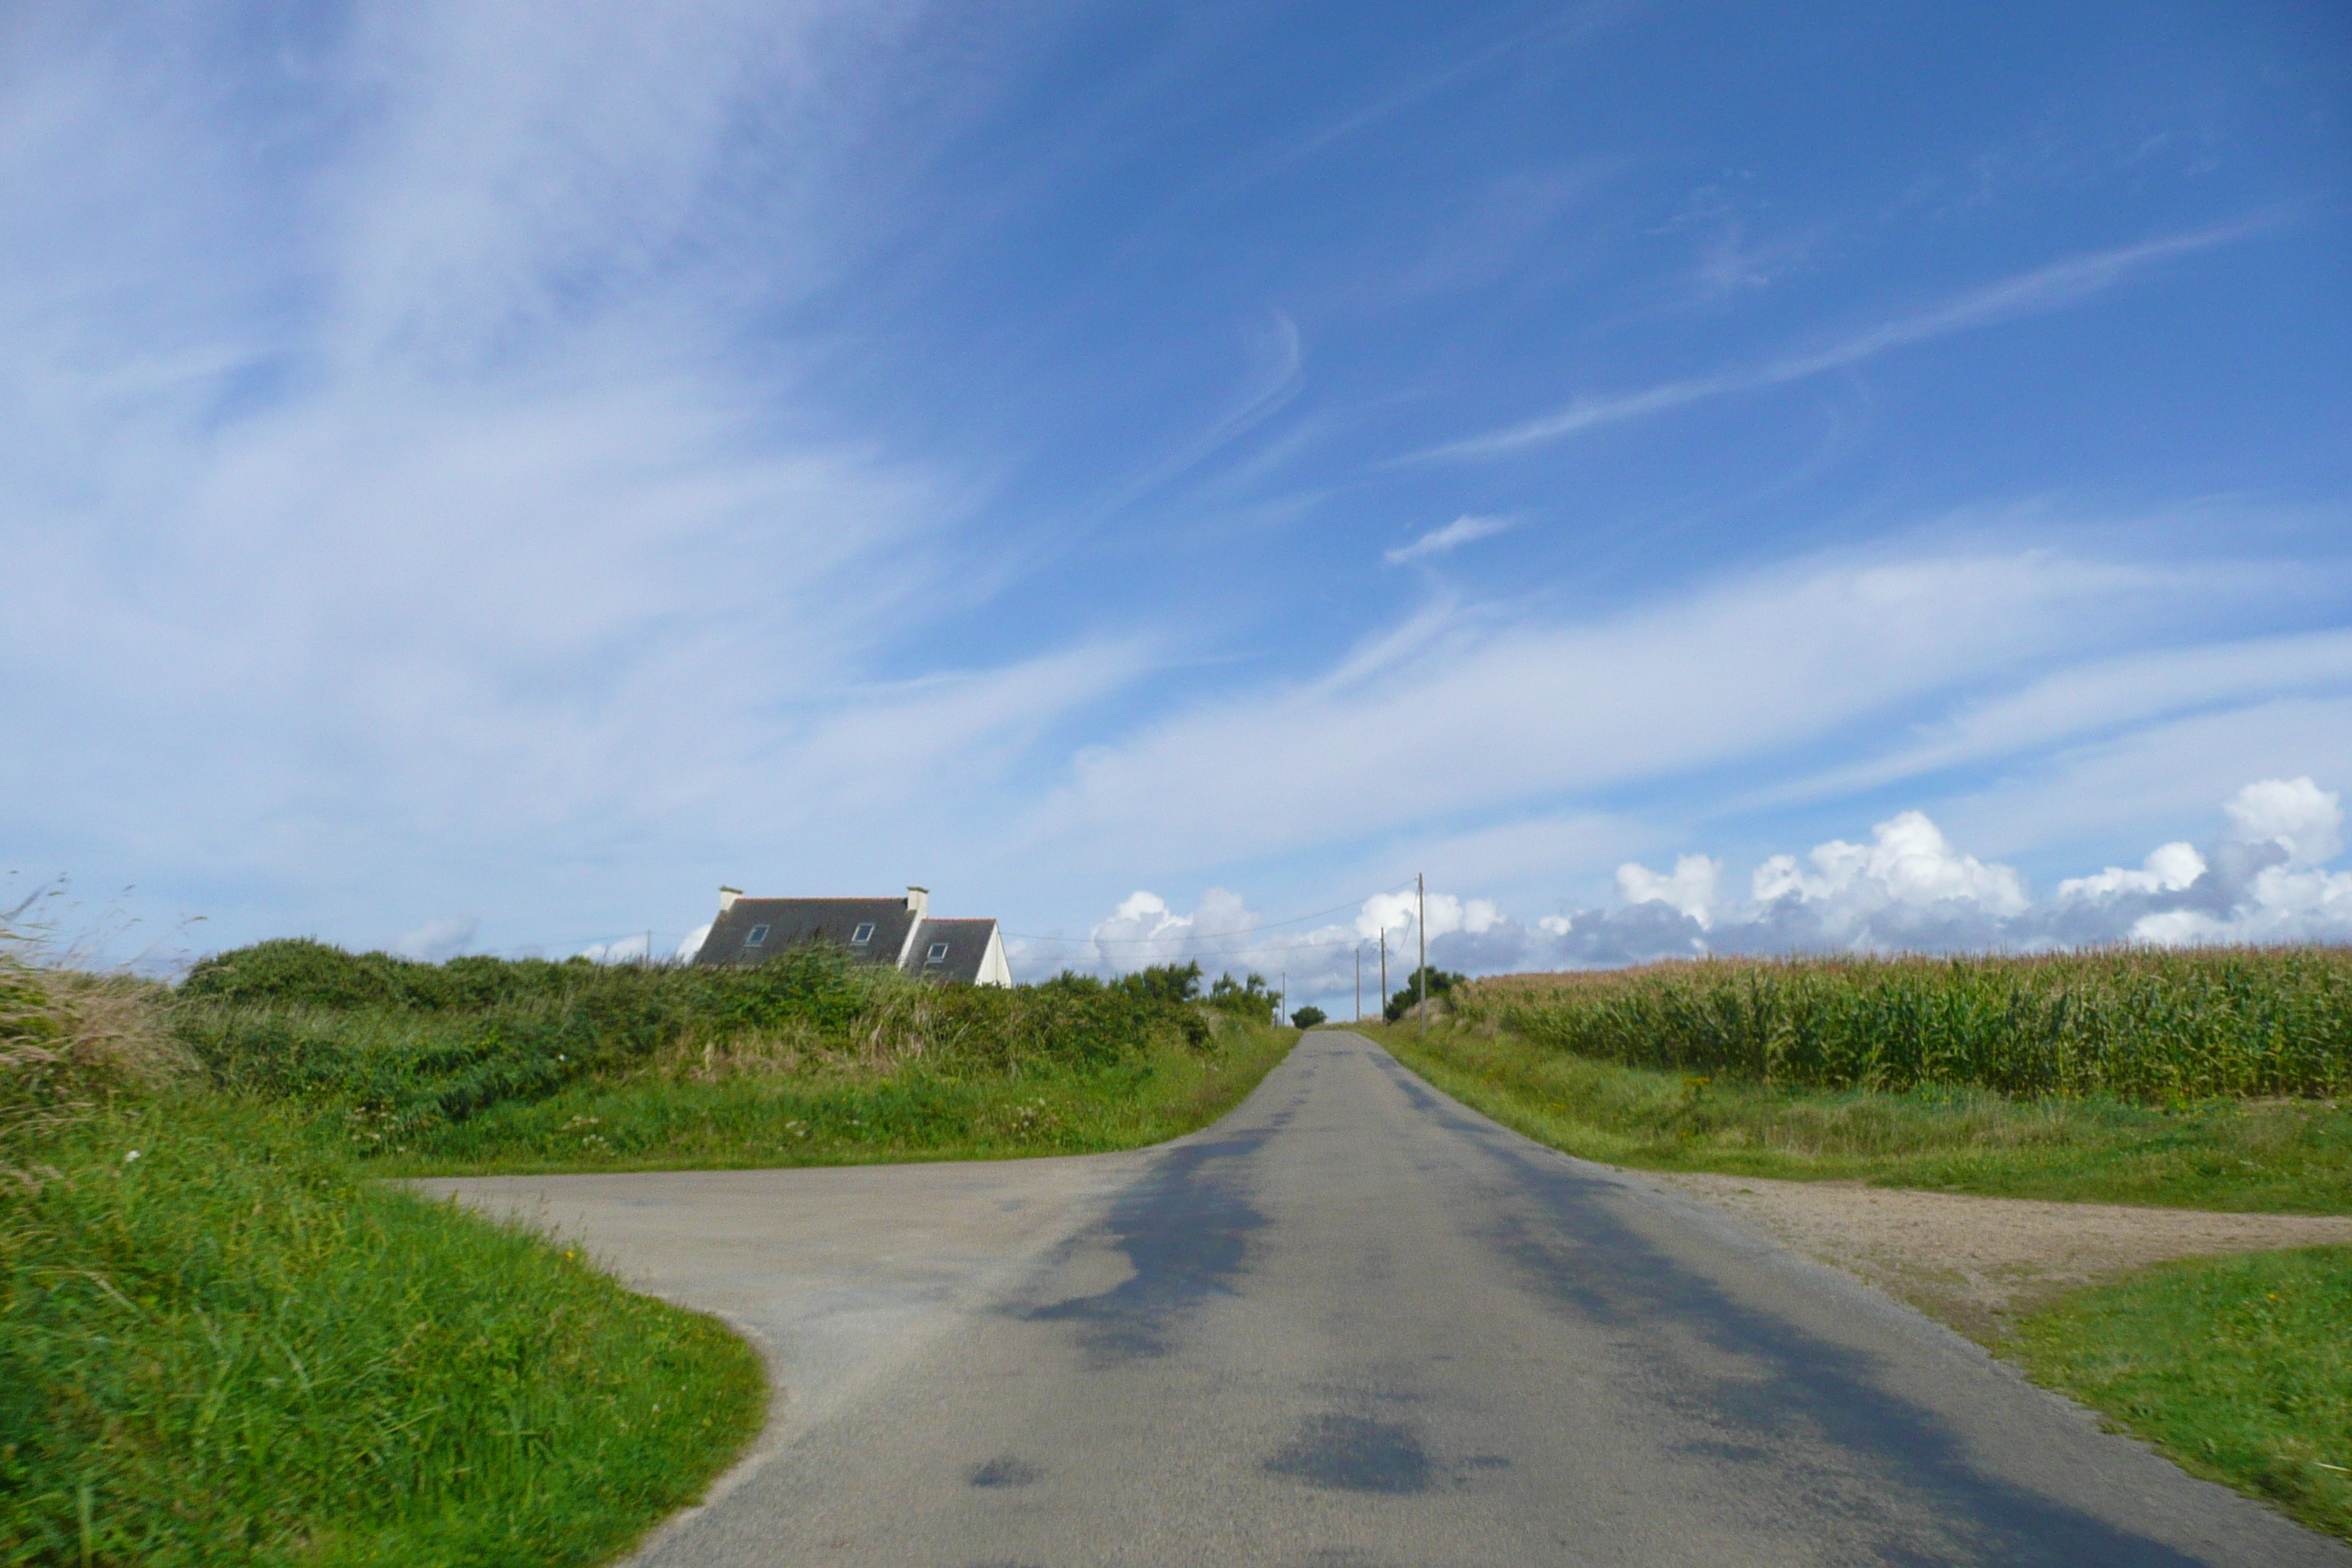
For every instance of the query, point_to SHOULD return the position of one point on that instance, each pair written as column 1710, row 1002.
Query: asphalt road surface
column 1353, row 1323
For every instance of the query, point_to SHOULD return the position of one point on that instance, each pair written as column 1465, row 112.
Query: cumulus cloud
column 1691, row 886
column 2296, row 815
column 1909, row 888
column 1224, row 935
column 2263, row 879
column 1438, row 541
column 1908, row 864
column 2168, row 868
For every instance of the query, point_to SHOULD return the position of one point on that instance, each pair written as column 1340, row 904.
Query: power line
column 1157, row 940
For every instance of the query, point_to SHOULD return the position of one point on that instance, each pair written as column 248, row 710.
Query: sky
column 1680, row 476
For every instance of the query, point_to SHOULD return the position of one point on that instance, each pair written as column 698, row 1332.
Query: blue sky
column 480, row 477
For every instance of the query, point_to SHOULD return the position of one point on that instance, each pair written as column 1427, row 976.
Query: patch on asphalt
column 1352, row 1454
column 1004, row 1471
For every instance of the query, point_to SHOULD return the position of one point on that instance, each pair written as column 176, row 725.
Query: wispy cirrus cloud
column 1470, row 709
column 2047, row 288
column 1462, row 530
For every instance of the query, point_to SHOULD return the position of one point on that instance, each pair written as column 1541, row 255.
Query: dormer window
column 939, row 954
column 755, row 936
column 863, row 934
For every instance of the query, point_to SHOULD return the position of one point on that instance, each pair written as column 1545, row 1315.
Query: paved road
column 1353, row 1324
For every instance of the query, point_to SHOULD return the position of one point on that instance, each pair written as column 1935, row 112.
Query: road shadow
column 1585, row 1262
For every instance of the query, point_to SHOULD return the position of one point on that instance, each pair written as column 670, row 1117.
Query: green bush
column 1441, row 985
column 2134, row 1023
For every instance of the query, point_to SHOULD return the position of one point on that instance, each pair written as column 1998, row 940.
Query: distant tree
column 1161, row 982
column 1247, row 998
column 1402, row 1003
column 1164, row 983
column 1307, row 1017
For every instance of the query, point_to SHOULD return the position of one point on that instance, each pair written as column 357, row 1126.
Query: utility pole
column 1285, row 1002
column 1421, row 895
column 1360, row 980
column 1384, row 973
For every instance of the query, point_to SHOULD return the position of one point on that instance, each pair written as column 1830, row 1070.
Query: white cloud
column 410, row 489
column 1908, row 861
column 1691, row 886
column 2101, row 695
column 1224, row 935
column 1910, row 888
column 1438, row 541
column 2168, row 868
column 443, row 936
column 1467, row 710
column 2047, row 288
column 2144, row 780
column 2296, row 815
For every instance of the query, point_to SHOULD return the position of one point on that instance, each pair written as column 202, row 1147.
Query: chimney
column 726, row 896
column 918, row 901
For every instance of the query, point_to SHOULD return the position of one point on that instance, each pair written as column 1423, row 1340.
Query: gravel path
column 1979, row 1264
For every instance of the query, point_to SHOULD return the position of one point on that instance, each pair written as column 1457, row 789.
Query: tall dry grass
column 69, row 1043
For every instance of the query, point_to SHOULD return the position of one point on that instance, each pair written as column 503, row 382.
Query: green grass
column 2239, row 1368
column 756, row 1119
column 2286, row 1157
column 230, row 1349
column 2136, row 1023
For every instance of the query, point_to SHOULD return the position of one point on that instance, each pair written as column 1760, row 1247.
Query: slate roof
column 966, row 942
column 780, row 923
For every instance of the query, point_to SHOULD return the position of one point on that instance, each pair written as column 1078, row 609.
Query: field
column 2134, row 1024
column 222, row 1340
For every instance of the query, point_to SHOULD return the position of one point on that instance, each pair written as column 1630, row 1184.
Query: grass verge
column 227, row 1349
column 755, row 1119
column 2237, row 1368
column 2277, row 1157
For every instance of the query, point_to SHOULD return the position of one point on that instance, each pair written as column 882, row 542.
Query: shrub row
column 2134, row 1023
column 412, row 1046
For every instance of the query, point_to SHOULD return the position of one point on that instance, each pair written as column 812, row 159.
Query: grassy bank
column 217, row 1345
column 2285, row 1157
column 754, row 1119
column 2237, row 1368
column 481, row 1065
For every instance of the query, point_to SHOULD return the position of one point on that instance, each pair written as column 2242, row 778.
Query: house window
column 939, row 954
column 757, row 935
column 862, row 935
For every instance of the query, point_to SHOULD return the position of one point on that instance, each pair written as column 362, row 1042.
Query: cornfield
column 2134, row 1023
